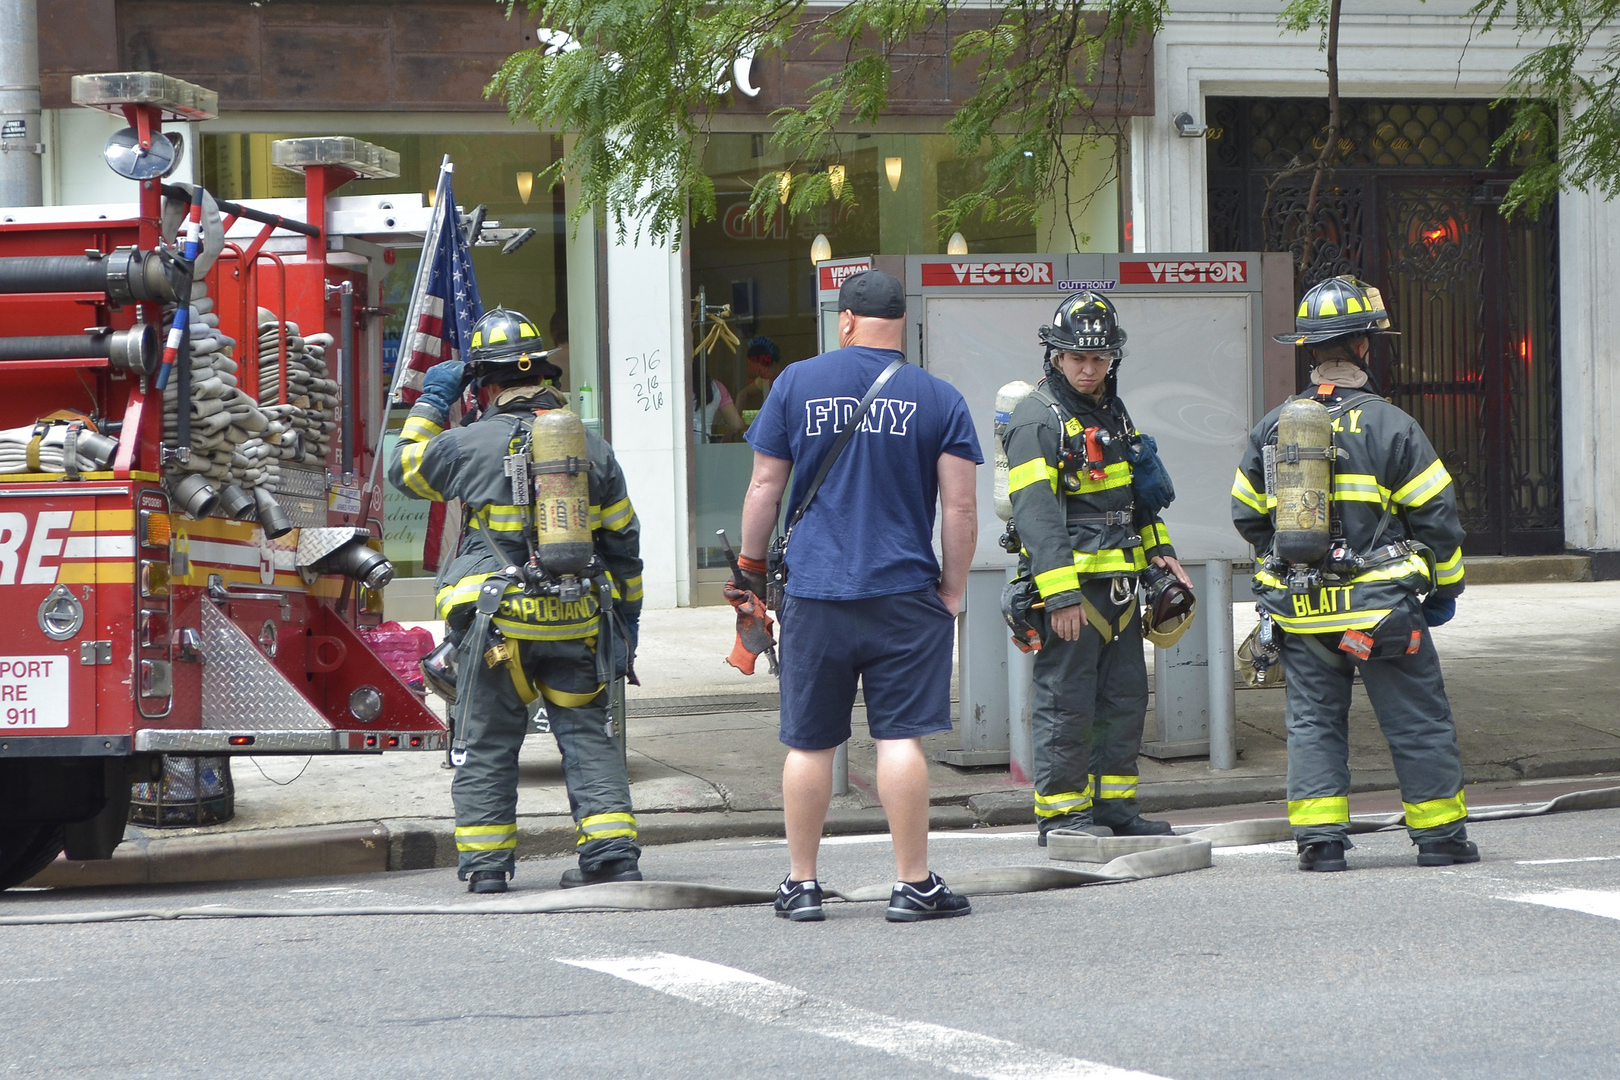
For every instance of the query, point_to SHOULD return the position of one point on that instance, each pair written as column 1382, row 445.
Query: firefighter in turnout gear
column 1388, row 566
column 516, row 643
column 1085, row 537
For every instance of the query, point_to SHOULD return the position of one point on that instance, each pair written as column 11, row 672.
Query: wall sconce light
column 820, row 249
column 1188, row 128
column 956, row 245
column 835, row 177
column 892, row 167
column 785, row 184
column 433, row 197
column 525, row 185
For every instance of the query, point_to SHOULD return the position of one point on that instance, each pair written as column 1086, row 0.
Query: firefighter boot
column 486, row 881
column 1080, row 823
column 613, row 870
column 1323, row 855
column 1141, row 826
column 1447, row 852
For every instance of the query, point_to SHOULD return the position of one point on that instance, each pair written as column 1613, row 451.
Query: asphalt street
column 1249, row 969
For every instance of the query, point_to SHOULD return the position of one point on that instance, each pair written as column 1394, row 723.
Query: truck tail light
column 157, row 529
column 154, row 578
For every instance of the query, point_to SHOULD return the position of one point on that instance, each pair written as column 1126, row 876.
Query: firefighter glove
column 750, row 575
column 1437, row 611
column 754, row 628
column 442, row 385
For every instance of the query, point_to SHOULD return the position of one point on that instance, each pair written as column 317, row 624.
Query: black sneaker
column 1324, row 855
column 1447, row 852
column 486, row 881
column 1141, row 826
column 931, row 899
column 613, row 870
column 799, row 901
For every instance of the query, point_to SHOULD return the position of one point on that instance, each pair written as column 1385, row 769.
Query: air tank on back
column 1304, row 481
column 562, row 493
column 1007, row 399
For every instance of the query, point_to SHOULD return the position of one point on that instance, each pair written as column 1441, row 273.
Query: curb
column 429, row 843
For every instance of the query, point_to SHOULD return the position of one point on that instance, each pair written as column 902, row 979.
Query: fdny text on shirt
column 830, row 414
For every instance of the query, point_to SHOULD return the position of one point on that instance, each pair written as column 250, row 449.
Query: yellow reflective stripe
column 1064, row 802
column 615, row 516
column 1164, row 532
column 418, row 429
column 1412, row 564
column 502, row 518
column 567, row 699
column 1451, row 571
column 606, row 826
column 1052, row 582
column 1428, row 814
column 1110, row 561
column 632, row 588
column 1359, row 487
column 1425, row 486
column 486, row 837
column 1325, row 624
column 1030, row 473
column 1266, row 577
column 1117, row 475
column 1116, row 787
column 410, row 461
column 1244, row 492
column 1333, row 810
column 527, row 631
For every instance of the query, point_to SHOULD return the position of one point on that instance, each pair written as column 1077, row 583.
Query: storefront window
column 763, row 270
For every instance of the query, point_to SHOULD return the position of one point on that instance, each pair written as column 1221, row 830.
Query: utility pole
column 21, row 143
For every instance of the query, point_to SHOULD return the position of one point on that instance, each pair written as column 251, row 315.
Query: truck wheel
column 26, row 848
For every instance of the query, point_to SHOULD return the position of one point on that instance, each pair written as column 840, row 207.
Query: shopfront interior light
column 892, row 166
column 525, row 186
column 784, row 183
column 956, row 245
column 835, row 176
column 820, row 249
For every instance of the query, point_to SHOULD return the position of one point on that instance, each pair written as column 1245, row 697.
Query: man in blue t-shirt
column 866, row 599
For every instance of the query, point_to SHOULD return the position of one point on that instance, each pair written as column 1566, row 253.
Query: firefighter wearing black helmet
column 1085, row 539
column 1393, row 569
column 535, row 646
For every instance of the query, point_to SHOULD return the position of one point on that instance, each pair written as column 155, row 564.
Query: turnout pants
column 1409, row 697
column 485, row 786
column 1090, row 700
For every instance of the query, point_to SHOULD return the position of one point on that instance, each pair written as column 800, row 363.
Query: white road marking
column 1587, row 901
column 763, row 1001
column 1285, row 847
column 1555, row 862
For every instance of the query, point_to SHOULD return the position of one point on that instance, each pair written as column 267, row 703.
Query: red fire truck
column 167, row 596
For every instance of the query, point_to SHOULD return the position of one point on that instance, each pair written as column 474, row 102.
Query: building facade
column 1516, row 390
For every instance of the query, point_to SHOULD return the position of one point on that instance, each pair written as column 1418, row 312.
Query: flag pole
column 408, row 332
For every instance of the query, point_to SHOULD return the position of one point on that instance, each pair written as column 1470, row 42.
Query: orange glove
column 754, row 630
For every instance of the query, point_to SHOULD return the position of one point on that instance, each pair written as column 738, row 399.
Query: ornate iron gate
column 1412, row 208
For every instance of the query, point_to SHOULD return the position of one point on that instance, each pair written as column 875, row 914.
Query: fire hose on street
column 1117, row 859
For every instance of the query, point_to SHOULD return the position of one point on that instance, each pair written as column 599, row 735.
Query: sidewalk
column 1529, row 669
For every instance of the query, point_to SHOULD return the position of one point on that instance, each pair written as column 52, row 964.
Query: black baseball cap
column 874, row 294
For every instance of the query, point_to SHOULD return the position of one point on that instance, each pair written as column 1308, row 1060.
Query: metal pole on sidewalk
column 841, row 769
column 21, row 141
column 1217, row 613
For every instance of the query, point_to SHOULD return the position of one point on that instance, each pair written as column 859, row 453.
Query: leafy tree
column 637, row 83
column 1565, row 95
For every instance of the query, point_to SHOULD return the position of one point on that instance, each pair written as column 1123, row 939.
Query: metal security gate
column 1413, row 208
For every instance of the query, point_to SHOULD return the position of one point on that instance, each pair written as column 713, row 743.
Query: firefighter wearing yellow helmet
column 1354, row 518
column 546, row 579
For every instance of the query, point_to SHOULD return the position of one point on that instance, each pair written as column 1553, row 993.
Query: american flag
column 444, row 301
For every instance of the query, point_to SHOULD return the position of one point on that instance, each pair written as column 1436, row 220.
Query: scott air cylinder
column 562, row 493
column 1304, row 481
column 1008, row 398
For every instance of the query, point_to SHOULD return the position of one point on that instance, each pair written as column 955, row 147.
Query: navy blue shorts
column 898, row 647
